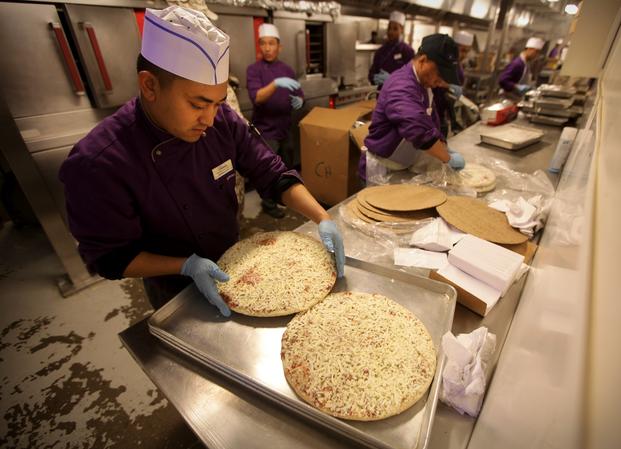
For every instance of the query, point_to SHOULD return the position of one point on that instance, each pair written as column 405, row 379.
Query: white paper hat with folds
column 186, row 43
column 535, row 42
column 464, row 38
column 268, row 30
column 397, row 16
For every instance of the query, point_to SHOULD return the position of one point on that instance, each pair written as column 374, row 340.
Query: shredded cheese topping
column 358, row 356
column 276, row 273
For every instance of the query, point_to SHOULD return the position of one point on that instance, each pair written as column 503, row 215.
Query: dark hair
column 163, row 76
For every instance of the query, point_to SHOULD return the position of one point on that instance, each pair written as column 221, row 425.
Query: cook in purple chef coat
column 150, row 190
column 274, row 93
column 404, row 112
column 515, row 79
column 393, row 54
column 445, row 98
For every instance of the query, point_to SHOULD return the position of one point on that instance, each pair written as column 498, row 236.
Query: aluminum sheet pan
column 247, row 349
column 511, row 137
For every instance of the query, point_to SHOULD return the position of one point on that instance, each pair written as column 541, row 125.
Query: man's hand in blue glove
column 287, row 83
column 455, row 90
column 203, row 272
column 296, row 102
column 380, row 77
column 332, row 240
column 456, row 161
column 522, row 88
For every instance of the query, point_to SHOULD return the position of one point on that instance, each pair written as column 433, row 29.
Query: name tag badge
column 397, row 56
column 222, row 169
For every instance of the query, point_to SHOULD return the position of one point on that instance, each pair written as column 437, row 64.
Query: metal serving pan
column 511, row 137
column 551, row 90
column 553, row 103
column 548, row 120
column 247, row 350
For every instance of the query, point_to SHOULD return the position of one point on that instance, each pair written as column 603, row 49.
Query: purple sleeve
column 412, row 121
column 113, row 226
column 253, row 82
column 510, row 76
column 375, row 66
column 408, row 53
column 256, row 161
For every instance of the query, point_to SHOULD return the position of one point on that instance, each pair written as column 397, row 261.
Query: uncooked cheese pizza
column 276, row 273
column 358, row 356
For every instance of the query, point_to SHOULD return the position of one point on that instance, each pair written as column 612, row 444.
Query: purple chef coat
column 554, row 53
column 460, row 74
column 131, row 187
column 512, row 74
column 442, row 103
column 400, row 113
column 273, row 118
column 390, row 57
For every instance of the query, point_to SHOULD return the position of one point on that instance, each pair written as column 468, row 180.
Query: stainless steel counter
column 245, row 421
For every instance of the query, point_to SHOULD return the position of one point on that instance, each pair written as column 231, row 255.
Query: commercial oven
column 65, row 68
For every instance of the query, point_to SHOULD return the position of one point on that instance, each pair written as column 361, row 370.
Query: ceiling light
column 571, row 9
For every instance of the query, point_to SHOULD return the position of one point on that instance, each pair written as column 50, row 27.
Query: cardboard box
column 329, row 156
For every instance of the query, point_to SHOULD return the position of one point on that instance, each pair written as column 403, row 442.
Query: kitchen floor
column 65, row 379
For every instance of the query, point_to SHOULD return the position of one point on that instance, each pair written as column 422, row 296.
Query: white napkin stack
column 463, row 378
column 525, row 215
column 436, row 236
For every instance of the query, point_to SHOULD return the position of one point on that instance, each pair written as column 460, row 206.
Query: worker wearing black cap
column 405, row 120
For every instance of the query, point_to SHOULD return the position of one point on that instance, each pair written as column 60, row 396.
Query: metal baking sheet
column 511, row 137
column 247, row 349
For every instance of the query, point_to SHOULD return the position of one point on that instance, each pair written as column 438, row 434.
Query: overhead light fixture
column 571, row 9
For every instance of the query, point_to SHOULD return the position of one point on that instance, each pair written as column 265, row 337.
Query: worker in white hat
column 393, row 54
column 150, row 190
column 274, row 93
column 515, row 78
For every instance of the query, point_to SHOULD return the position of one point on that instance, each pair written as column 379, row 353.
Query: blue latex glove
column 287, row 83
column 455, row 90
column 456, row 161
column 332, row 240
column 522, row 88
column 380, row 77
column 296, row 102
column 203, row 272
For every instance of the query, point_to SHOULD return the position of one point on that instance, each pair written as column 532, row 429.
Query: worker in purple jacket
column 274, row 93
column 150, row 191
column 405, row 120
column 393, row 54
column 515, row 79
column 445, row 98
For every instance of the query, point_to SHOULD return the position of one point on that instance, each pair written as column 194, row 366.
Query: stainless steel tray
column 511, row 137
column 247, row 350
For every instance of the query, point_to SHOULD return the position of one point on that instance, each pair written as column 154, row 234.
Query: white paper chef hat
column 464, row 38
column 186, row 43
column 397, row 16
column 535, row 42
column 268, row 30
